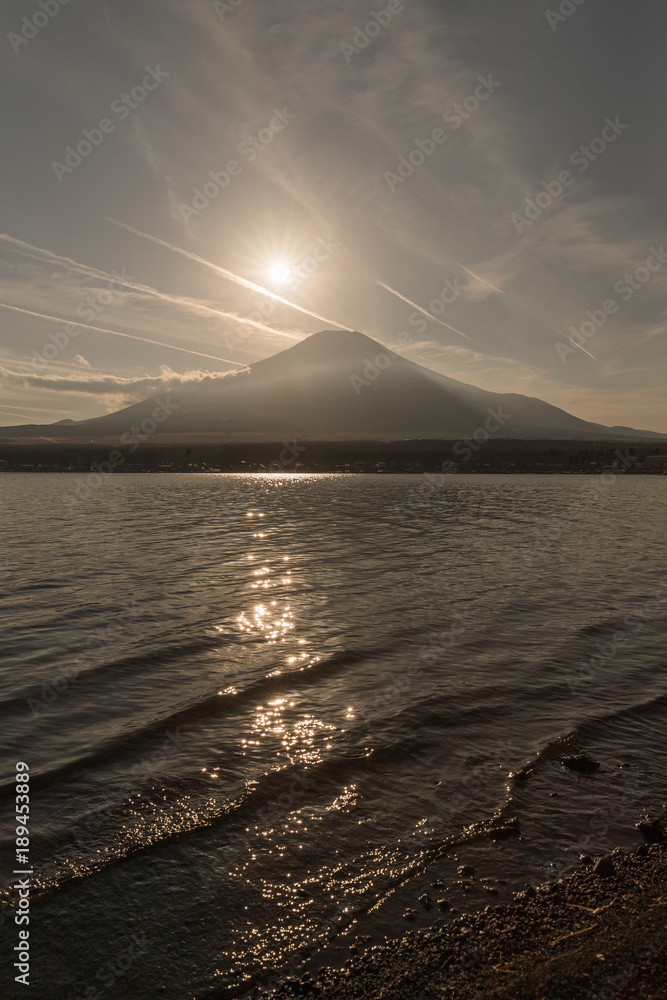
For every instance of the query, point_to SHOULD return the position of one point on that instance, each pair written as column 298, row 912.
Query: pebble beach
column 599, row 934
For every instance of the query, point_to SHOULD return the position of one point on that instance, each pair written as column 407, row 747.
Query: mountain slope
column 338, row 384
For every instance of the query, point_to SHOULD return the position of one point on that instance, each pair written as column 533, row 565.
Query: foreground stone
column 586, row 937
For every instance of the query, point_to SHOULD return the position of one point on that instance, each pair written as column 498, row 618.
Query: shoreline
column 432, row 458
column 598, row 933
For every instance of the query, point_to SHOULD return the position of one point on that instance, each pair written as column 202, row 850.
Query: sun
column 280, row 273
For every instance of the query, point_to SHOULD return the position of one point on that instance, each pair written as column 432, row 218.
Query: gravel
column 600, row 934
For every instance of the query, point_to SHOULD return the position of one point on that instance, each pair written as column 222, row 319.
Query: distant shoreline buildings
column 432, row 458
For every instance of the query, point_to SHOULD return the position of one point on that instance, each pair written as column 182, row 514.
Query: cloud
column 237, row 279
column 81, row 360
column 123, row 286
column 326, row 174
column 114, row 333
column 125, row 389
column 421, row 310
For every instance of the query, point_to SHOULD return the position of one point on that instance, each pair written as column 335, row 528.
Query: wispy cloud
column 119, row 280
column 237, row 279
column 116, row 333
column 355, row 118
column 435, row 319
column 129, row 389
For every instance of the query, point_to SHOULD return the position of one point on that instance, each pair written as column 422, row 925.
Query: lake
column 263, row 714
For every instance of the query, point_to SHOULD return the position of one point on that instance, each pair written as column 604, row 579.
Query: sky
column 193, row 185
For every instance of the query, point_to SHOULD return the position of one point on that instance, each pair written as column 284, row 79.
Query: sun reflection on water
column 302, row 738
column 272, row 626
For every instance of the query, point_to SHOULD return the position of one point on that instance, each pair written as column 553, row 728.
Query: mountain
column 334, row 385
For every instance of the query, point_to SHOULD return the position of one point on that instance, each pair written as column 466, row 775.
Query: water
column 263, row 714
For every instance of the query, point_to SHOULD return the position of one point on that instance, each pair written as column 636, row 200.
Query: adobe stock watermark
column 131, row 439
column 224, row 7
column 7, row 569
column 449, row 293
column 582, row 158
column 370, row 372
column 466, row 448
column 566, row 9
column 110, row 972
column 88, row 310
column 122, row 107
column 644, row 955
column 139, row 433
column 306, row 267
column 86, row 831
column 396, row 690
column 606, row 651
column 454, row 116
column 294, row 964
column 600, row 823
column 52, row 690
column 287, row 456
column 625, row 287
column 149, row 766
column 310, row 263
column 270, row 815
column 249, row 148
column 545, row 539
column 453, row 970
column 378, row 20
column 477, row 780
column 31, row 26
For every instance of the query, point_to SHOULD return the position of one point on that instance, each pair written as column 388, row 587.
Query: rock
column 585, row 859
column 466, row 871
column 491, row 891
column 426, row 900
column 651, row 831
column 642, row 851
column 581, row 763
column 505, row 832
column 304, row 987
column 438, row 884
column 443, row 904
column 604, row 867
column 296, row 986
column 409, row 914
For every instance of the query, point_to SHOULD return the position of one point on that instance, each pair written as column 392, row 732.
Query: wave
column 270, row 683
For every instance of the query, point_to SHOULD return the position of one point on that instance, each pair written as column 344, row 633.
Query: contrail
column 582, row 349
column 411, row 303
column 117, row 333
column 24, row 415
column 229, row 275
column 118, row 279
column 520, row 304
column 472, row 273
